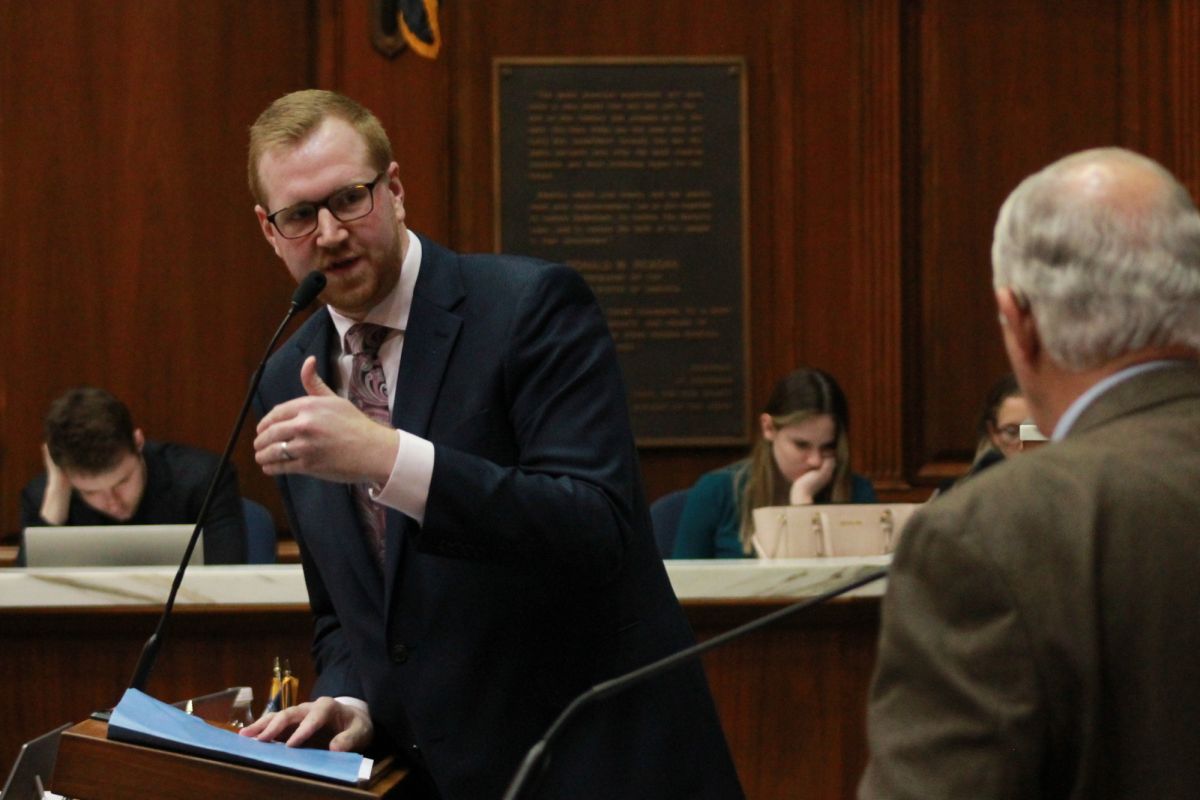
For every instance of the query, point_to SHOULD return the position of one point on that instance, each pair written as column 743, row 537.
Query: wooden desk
column 791, row 697
column 91, row 765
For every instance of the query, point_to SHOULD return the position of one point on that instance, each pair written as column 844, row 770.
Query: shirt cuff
column 407, row 488
column 354, row 702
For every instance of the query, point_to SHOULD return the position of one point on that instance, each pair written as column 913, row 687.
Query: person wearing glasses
column 999, row 426
column 452, row 443
column 998, row 430
column 101, row 470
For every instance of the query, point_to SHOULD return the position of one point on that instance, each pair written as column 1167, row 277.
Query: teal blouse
column 710, row 524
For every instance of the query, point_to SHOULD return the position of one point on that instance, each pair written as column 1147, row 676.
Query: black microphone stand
column 538, row 754
column 307, row 291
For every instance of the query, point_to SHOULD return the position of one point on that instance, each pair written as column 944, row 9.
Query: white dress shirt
column 407, row 488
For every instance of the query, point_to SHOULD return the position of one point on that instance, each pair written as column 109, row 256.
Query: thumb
column 356, row 733
column 313, row 385
column 344, row 741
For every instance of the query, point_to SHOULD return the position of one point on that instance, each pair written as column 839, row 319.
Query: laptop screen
column 109, row 545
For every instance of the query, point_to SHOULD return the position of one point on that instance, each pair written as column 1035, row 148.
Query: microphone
column 539, row 753
column 312, row 285
column 302, row 298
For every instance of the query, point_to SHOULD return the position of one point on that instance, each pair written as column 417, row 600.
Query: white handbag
column 836, row 529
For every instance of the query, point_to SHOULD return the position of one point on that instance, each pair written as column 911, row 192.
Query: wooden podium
column 90, row 766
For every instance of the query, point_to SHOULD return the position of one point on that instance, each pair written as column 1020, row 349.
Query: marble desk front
column 791, row 696
column 283, row 584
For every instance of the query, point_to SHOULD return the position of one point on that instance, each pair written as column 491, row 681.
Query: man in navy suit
column 516, row 566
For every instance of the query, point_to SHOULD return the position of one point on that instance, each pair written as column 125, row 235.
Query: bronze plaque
column 633, row 172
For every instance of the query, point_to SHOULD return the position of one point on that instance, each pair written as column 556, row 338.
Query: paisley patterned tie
column 368, row 391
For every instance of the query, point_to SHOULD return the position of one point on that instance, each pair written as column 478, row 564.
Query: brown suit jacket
column 1041, row 629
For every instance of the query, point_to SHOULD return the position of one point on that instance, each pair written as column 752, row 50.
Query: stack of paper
column 140, row 719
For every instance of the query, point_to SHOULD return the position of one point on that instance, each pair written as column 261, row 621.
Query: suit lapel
column 429, row 340
column 427, row 346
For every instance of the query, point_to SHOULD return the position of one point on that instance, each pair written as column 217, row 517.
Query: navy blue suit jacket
column 534, row 575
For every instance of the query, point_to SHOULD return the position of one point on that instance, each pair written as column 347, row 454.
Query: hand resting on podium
column 341, row 726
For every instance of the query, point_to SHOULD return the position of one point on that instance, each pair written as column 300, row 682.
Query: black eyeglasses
column 1009, row 433
column 346, row 204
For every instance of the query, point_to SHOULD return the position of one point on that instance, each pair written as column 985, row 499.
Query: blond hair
column 800, row 395
column 292, row 118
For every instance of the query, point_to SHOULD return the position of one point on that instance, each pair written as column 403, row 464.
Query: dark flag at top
column 419, row 26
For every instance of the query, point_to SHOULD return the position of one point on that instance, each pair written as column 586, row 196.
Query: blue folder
column 140, row 719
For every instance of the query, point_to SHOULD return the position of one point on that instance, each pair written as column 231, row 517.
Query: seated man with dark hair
column 100, row 470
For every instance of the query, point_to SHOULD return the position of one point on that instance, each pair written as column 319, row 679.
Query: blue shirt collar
column 1068, row 419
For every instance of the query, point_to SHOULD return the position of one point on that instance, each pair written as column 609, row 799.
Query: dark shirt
column 710, row 526
column 177, row 479
column 990, row 457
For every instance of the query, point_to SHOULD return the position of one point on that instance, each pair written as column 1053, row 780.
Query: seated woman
column 802, row 457
column 998, row 431
column 1000, row 420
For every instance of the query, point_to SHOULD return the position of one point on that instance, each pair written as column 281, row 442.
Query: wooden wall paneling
column 411, row 96
column 792, row 697
column 132, row 233
column 473, row 186
column 8, row 293
column 1005, row 88
column 1003, row 91
column 827, row 100
column 1144, row 55
column 912, row 91
column 36, row 274
column 1184, row 94
column 139, row 110
column 776, row 152
column 848, row 303
column 1160, row 84
column 878, row 305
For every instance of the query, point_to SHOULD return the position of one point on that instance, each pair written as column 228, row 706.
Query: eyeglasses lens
column 347, row 205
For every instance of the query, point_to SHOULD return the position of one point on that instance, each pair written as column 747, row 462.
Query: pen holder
column 285, row 688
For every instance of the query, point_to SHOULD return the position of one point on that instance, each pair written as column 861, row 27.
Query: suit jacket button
column 399, row 653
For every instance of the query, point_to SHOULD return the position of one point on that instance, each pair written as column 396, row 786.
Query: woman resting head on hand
column 801, row 457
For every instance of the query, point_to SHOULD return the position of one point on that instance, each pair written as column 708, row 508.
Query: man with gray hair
column 1040, row 633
